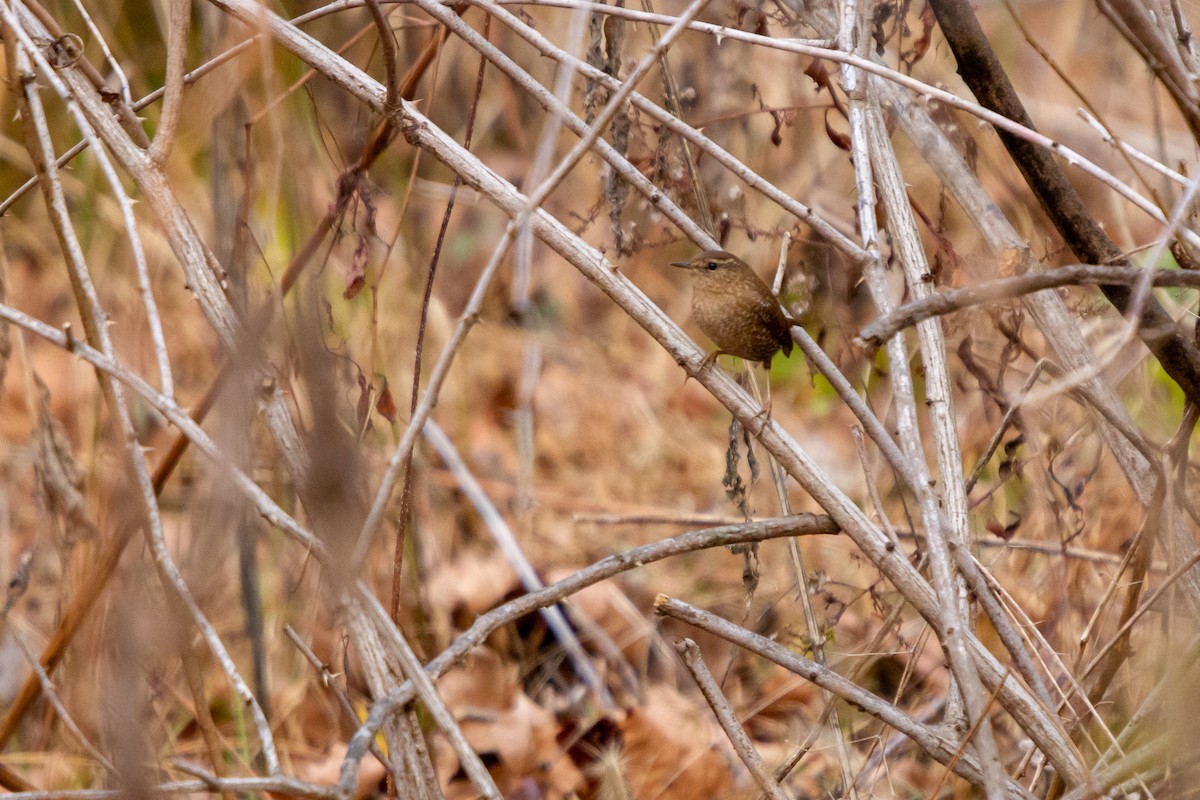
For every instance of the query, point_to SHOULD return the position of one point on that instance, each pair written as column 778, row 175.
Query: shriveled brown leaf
column 471, row 584
column 327, row 771
column 385, row 404
column 517, row 738
column 672, row 749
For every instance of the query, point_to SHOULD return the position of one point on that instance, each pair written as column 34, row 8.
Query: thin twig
column 329, row 681
column 860, row 446
column 177, row 34
column 110, row 61
column 1137, row 24
column 288, row 787
column 933, row 741
column 690, row 653
column 1149, row 603
column 486, row 624
column 388, row 43
column 511, row 549
column 871, row 423
column 1014, row 407
column 1131, row 151
column 405, row 514
column 952, row 300
column 671, row 98
column 52, row 696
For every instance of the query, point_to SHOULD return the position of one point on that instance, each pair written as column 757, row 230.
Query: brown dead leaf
column 840, row 140
column 671, row 750
column 356, row 270
column 1005, row 532
column 921, row 44
column 820, row 76
column 471, row 584
column 385, row 404
column 607, row 606
column 327, row 771
column 516, row 738
column 363, row 406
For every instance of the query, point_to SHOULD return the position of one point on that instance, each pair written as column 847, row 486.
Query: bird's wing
column 776, row 321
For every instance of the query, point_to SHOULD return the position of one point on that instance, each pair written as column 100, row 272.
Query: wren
column 735, row 309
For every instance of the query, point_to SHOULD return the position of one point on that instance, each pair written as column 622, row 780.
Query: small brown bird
column 735, row 309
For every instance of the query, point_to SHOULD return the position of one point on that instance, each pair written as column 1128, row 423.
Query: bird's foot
column 764, row 415
column 711, row 359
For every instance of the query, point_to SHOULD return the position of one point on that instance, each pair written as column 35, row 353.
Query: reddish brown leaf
column 816, row 70
column 1005, row 532
column 385, row 404
column 921, row 45
column 820, row 76
column 839, row 139
column 357, row 271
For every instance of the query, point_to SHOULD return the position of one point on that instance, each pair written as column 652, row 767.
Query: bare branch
column 932, row 741
column 953, row 300
column 486, row 624
column 1059, row 199
column 725, row 715
column 511, row 549
column 178, row 23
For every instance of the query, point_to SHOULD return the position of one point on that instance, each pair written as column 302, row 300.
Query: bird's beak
column 681, row 263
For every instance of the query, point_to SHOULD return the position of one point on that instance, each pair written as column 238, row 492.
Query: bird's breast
column 735, row 327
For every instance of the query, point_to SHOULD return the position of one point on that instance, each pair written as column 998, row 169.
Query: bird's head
column 715, row 267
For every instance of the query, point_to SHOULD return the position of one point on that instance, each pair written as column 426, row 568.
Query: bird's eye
column 712, row 265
